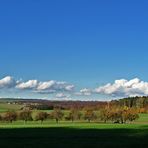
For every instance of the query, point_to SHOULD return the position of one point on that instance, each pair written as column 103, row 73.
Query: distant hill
column 140, row 102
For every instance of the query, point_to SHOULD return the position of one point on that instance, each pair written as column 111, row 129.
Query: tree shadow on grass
column 73, row 138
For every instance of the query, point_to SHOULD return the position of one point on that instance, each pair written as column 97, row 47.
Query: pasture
column 65, row 134
column 73, row 135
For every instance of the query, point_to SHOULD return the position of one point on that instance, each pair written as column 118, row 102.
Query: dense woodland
column 141, row 102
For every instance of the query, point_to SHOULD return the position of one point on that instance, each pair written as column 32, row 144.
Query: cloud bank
column 62, row 89
column 35, row 85
column 125, row 88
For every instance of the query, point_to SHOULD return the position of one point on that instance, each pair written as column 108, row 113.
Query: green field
column 73, row 135
column 33, row 134
column 6, row 107
column 66, row 134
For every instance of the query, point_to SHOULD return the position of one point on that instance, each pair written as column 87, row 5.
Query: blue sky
column 86, row 43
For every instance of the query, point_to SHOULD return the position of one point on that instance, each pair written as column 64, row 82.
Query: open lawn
column 80, row 134
column 73, row 135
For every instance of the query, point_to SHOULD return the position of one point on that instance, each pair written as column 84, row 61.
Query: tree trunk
column 25, row 121
column 41, row 121
column 57, row 121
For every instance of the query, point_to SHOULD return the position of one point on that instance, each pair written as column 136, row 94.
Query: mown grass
column 79, row 134
column 143, row 117
column 74, row 135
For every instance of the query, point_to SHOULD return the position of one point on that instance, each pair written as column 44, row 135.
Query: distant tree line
column 136, row 102
column 139, row 102
column 64, row 105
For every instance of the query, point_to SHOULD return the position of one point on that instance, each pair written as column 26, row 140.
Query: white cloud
column 7, row 82
column 69, row 87
column 62, row 95
column 54, row 86
column 84, row 92
column 120, row 88
column 45, row 87
column 31, row 84
column 124, row 88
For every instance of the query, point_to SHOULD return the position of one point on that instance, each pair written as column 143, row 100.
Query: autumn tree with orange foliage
column 90, row 115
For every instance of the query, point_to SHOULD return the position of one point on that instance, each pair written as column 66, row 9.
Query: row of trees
column 11, row 116
column 118, row 115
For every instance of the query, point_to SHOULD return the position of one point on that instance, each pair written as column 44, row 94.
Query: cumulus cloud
column 37, row 86
column 31, row 84
column 69, row 87
column 84, row 92
column 119, row 88
column 124, row 88
column 45, row 87
column 54, row 86
column 62, row 95
column 7, row 82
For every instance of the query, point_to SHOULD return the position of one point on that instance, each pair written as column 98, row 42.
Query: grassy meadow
column 66, row 134
column 74, row 135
